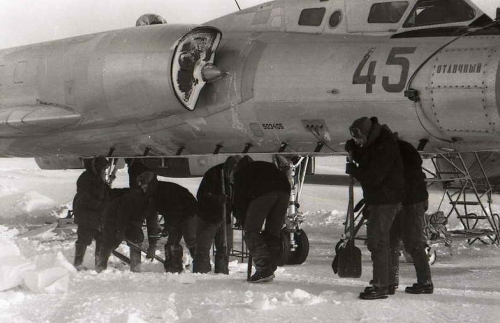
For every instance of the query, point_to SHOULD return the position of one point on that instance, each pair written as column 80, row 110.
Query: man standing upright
column 214, row 200
column 376, row 164
column 90, row 202
column 409, row 224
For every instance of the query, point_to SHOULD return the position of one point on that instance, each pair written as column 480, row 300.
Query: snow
column 467, row 288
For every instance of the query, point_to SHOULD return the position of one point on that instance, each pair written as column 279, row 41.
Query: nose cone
column 211, row 73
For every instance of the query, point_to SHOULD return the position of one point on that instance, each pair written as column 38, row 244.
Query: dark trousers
column 111, row 241
column 173, row 250
column 379, row 225
column 271, row 208
column 185, row 229
column 209, row 233
column 87, row 234
column 409, row 228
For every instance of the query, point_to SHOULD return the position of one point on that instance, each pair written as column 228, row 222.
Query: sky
column 31, row 21
column 467, row 289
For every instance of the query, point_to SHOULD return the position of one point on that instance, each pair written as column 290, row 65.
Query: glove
column 151, row 251
column 351, row 169
column 349, row 145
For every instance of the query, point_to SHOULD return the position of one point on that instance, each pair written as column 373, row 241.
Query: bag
column 347, row 262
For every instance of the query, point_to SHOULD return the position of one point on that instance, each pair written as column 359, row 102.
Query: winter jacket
column 209, row 196
column 414, row 177
column 253, row 180
column 173, row 201
column 91, row 199
column 125, row 215
column 380, row 169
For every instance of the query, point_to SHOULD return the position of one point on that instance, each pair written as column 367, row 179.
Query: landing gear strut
column 294, row 241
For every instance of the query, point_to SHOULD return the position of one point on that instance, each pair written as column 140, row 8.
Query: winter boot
column 262, row 276
column 221, row 262
column 374, row 292
column 201, row 264
column 135, row 260
column 264, row 264
column 173, row 258
column 102, row 259
column 80, row 250
column 419, row 288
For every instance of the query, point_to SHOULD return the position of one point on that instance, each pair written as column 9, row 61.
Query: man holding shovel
column 376, row 164
column 214, row 223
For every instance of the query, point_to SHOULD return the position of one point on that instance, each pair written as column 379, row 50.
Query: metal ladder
column 464, row 192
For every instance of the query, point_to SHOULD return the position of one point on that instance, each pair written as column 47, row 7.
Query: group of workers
column 257, row 194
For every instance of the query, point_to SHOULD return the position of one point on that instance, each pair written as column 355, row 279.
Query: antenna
column 237, row 5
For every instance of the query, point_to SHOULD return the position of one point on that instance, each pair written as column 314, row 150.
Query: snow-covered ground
column 467, row 288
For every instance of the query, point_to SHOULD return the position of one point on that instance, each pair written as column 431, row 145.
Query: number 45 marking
column 394, row 58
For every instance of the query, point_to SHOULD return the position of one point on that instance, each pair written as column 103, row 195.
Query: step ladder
column 470, row 197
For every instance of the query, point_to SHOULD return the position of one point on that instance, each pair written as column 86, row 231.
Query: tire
column 300, row 254
column 285, row 248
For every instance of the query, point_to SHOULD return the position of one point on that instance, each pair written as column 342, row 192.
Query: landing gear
column 294, row 241
column 299, row 255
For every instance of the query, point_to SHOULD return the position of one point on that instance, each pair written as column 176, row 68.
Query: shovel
column 347, row 261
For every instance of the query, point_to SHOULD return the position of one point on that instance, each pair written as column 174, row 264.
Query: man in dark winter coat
column 178, row 208
column 123, row 220
column 261, row 193
column 213, row 197
column 376, row 164
column 91, row 199
column 408, row 224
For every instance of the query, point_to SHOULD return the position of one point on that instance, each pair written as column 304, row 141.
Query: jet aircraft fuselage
column 284, row 77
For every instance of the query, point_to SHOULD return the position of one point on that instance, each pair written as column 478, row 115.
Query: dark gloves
column 349, row 145
column 151, row 251
column 351, row 169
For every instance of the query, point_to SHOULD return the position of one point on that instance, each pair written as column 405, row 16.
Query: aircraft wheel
column 285, row 248
column 300, row 254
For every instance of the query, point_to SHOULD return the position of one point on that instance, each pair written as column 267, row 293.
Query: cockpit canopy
column 437, row 12
column 353, row 16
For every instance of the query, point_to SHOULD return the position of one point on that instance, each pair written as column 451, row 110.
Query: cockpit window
column 435, row 12
column 312, row 17
column 387, row 12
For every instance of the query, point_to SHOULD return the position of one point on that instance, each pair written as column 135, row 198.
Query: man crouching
column 123, row 221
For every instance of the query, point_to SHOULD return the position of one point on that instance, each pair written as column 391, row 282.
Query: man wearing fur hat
column 91, row 199
column 178, row 208
column 376, row 164
column 214, row 200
